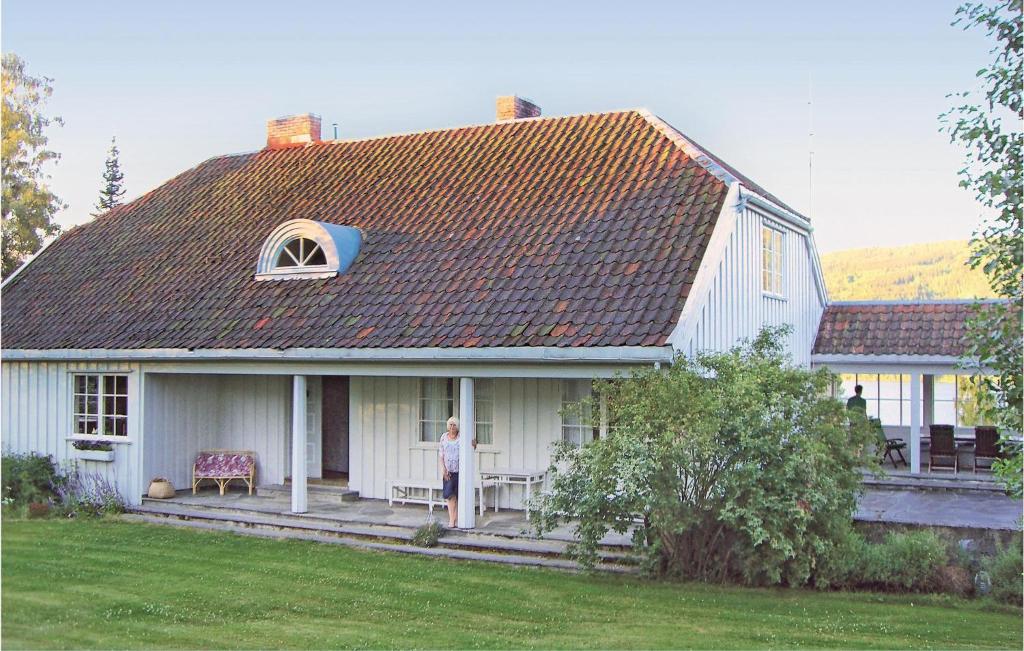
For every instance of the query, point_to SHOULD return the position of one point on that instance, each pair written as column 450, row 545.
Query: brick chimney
column 512, row 107
column 293, row 130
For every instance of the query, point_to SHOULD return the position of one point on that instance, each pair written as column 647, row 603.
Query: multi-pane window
column 436, row 407
column 101, row 404
column 771, row 260
column 577, row 423
column 483, row 408
column 887, row 396
column 301, row 252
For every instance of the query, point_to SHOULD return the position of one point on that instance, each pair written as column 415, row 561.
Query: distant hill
column 917, row 271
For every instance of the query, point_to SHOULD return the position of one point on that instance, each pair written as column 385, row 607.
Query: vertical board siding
column 35, row 416
column 735, row 307
column 384, row 432
column 189, row 413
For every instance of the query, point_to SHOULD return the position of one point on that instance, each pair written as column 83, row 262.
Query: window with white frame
column 437, row 405
column 577, row 421
column 100, row 404
column 771, row 260
column 483, row 408
column 887, row 395
column 301, row 253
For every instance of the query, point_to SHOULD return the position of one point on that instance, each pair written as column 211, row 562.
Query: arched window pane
column 317, row 257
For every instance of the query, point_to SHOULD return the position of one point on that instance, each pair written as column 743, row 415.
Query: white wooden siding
column 189, row 413
column 384, row 432
column 35, row 416
column 735, row 307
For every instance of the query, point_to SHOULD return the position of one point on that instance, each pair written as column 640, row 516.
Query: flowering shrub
column 29, row 478
column 92, row 445
column 89, row 494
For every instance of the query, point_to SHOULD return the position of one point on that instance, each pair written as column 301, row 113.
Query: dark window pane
column 109, row 384
column 122, row 385
column 92, row 384
column 79, row 404
column 318, row 258
column 92, row 404
column 79, row 384
column 120, row 427
column 121, row 406
column 87, row 426
column 108, row 406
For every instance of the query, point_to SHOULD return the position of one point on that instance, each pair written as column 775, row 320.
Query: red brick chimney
column 293, row 130
column 512, row 107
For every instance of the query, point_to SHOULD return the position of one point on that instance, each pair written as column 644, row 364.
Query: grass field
column 113, row 584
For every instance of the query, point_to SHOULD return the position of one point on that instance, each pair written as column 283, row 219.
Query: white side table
column 514, row 477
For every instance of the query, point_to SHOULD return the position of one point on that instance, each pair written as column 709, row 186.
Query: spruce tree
column 110, row 195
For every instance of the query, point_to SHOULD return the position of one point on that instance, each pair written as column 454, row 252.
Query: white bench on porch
column 410, row 491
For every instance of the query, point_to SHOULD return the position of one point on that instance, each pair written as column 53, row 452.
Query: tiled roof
column 893, row 328
column 575, row 231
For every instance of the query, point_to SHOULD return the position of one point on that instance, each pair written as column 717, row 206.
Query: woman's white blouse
column 448, row 450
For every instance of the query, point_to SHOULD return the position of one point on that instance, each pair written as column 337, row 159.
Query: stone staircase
column 467, row 545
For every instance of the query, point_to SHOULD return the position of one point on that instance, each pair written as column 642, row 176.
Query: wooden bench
column 221, row 466
column 409, row 491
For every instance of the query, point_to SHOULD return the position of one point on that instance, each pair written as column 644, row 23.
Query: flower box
column 95, row 455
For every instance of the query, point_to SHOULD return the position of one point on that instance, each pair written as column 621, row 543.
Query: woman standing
column 448, row 458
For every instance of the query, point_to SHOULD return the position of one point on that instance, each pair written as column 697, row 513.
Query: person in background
column 857, row 401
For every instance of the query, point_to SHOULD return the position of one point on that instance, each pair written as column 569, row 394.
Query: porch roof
column 908, row 331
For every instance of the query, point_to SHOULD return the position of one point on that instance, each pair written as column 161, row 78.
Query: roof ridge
column 420, row 132
column 690, row 148
column 936, row 301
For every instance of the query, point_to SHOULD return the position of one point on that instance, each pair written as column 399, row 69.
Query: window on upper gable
column 771, row 260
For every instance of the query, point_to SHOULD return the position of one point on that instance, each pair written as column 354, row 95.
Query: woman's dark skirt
column 451, row 485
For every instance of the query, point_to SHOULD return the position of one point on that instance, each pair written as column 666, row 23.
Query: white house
column 328, row 304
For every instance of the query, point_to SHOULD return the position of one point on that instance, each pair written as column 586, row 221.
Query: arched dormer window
column 303, row 248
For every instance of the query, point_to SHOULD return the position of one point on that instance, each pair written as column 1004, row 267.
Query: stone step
column 340, row 538
column 958, row 484
column 342, row 493
column 453, row 539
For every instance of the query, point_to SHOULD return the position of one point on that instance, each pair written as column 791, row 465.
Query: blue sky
column 180, row 82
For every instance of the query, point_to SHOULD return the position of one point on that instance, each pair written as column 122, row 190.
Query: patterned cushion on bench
column 223, row 464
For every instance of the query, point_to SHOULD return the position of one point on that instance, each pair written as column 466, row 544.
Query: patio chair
column 986, row 445
column 888, row 446
column 943, row 447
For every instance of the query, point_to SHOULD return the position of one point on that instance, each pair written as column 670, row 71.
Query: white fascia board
column 27, row 262
column 519, row 354
column 798, row 223
column 725, row 225
column 930, row 364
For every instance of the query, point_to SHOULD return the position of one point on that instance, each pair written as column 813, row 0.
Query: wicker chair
column 986, row 445
column 943, row 447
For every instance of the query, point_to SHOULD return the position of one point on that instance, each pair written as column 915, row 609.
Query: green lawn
column 90, row 584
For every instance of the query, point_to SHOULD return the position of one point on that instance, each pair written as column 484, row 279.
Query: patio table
column 514, row 477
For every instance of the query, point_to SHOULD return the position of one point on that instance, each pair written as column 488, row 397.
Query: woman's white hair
column 453, row 421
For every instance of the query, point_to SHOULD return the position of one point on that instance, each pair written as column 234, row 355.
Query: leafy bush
column 1006, row 572
column 427, row 535
column 914, row 561
column 733, row 466
column 89, row 494
column 29, row 478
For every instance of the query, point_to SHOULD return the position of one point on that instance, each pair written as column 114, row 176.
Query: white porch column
column 915, row 423
column 467, row 469
column 928, row 396
column 299, row 495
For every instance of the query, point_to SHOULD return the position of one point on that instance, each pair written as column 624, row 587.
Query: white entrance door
column 314, row 434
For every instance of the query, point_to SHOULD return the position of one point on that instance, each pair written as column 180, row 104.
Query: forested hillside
column 917, row 271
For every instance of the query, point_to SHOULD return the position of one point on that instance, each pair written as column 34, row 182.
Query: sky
column 180, row 82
